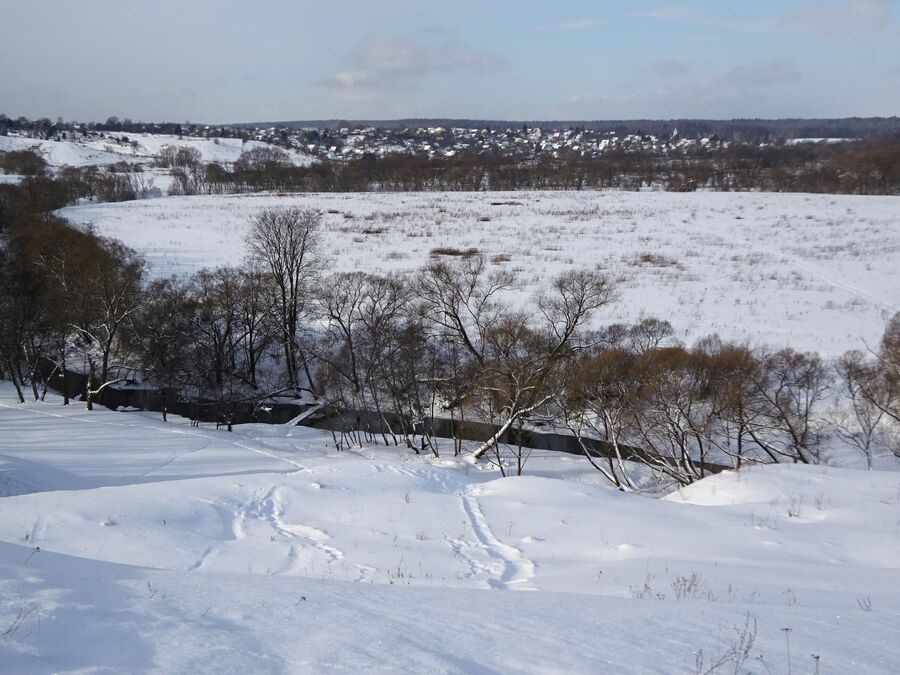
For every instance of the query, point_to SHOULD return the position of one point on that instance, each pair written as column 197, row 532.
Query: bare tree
column 887, row 396
column 461, row 299
column 96, row 286
column 787, row 389
column 254, row 308
column 867, row 403
column 672, row 416
column 594, row 404
column 519, row 362
column 285, row 242
column 734, row 368
column 649, row 333
column 161, row 334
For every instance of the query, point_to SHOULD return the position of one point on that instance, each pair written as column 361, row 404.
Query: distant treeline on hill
column 740, row 130
column 861, row 167
column 865, row 167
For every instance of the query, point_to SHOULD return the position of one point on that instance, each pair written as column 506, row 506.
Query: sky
column 269, row 60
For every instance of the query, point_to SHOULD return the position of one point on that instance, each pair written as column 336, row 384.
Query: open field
column 817, row 272
column 169, row 548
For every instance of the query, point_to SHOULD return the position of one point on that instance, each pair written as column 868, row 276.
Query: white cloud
column 701, row 17
column 669, row 67
column 391, row 61
column 683, row 89
column 678, row 13
column 825, row 17
column 846, row 16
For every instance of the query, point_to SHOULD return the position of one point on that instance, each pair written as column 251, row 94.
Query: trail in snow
column 821, row 276
column 300, row 468
column 175, row 459
column 518, row 570
column 269, row 507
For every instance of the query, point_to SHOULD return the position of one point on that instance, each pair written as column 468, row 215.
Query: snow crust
column 109, row 150
column 168, row 548
column 815, row 272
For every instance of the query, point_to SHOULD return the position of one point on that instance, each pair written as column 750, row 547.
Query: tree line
column 871, row 168
column 383, row 357
column 868, row 168
column 739, row 130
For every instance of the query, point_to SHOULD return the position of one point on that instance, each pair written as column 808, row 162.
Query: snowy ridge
column 140, row 149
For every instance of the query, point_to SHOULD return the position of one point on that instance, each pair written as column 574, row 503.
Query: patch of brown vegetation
column 655, row 260
column 455, row 252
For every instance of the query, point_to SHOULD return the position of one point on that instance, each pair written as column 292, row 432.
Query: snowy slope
column 109, row 150
column 817, row 272
column 66, row 153
column 174, row 549
column 222, row 150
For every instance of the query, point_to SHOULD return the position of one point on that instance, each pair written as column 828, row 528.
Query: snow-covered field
column 146, row 146
column 169, row 548
column 816, row 272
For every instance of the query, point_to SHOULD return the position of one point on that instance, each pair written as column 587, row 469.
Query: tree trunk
column 65, row 376
column 88, row 389
column 492, row 441
column 12, row 376
column 18, row 364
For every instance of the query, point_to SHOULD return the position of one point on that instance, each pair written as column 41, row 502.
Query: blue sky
column 244, row 60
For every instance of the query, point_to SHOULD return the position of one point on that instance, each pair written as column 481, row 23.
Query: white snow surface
column 110, row 150
column 816, row 272
column 70, row 153
column 168, row 548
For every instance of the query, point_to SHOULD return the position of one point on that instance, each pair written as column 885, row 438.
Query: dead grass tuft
column 454, row 252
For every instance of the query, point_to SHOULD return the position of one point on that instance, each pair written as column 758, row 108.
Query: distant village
column 435, row 142
column 438, row 142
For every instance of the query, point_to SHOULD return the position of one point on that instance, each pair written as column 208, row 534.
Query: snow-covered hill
column 140, row 148
column 70, row 153
column 169, row 548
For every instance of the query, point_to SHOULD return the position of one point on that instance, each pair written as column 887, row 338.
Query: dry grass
column 453, row 252
column 655, row 260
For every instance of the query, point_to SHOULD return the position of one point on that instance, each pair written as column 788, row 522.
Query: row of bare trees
column 854, row 168
column 65, row 292
column 390, row 354
column 447, row 351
